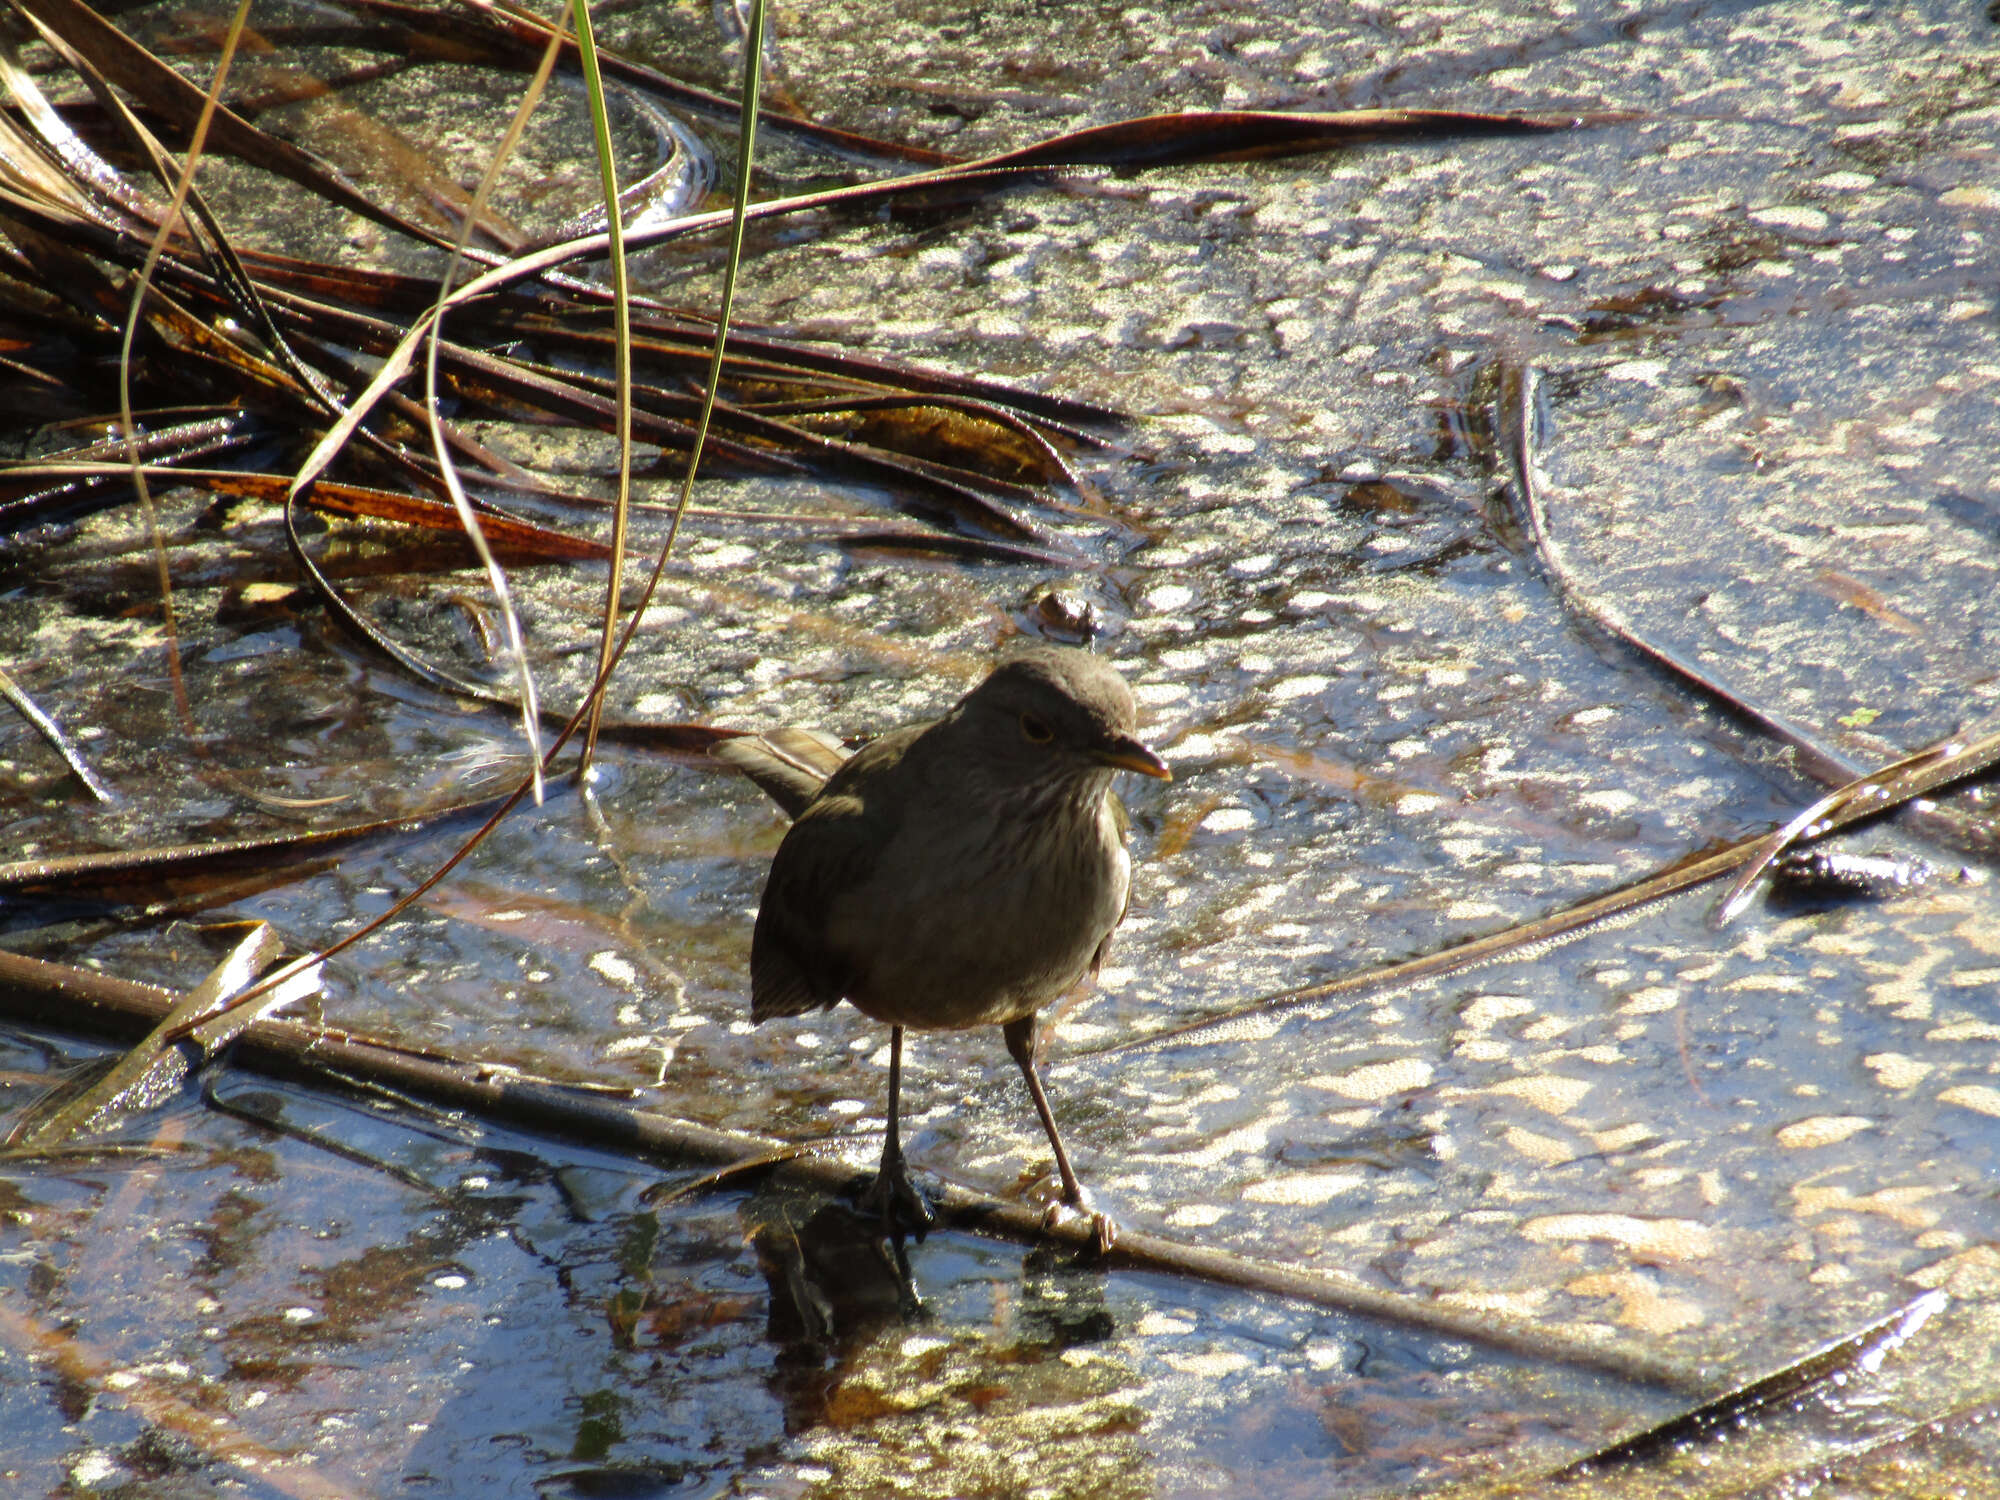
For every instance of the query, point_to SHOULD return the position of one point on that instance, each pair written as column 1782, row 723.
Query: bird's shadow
column 838, row 1285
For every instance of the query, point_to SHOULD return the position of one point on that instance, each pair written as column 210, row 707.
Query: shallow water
column 1764, row 319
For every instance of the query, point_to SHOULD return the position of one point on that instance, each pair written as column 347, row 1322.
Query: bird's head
column 1052, row 713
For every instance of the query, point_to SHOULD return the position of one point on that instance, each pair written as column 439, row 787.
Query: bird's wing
column 1122, row 821
column 789, row 764
column 830, row 855
column 1104, row 948
column 813, row 749
column 780, row 984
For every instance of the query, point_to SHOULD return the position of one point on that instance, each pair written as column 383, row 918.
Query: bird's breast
column 974, row 921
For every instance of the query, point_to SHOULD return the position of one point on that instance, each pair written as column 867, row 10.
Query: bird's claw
column 1062, row 1214
column 895, row 1200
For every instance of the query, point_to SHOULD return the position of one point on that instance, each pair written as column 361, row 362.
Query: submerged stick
column 81, row 1000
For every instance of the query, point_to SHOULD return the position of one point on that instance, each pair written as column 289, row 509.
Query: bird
column 958, row 873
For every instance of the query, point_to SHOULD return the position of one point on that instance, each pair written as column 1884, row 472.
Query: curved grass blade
column 1718, row 1419
column 1892, row 786
column 365, row 630
column 522, row 538
column 132, row 67
column 621, row 368
column 1246, row 134
column 182, row 187
column 396, row 364
column 1217, row 136
column 753, row 62
column 664, row 193
column 61, row 743
column 1522, row 421
column 496, row 576
column 507, row 804
column 125, row 875
column 514, row 24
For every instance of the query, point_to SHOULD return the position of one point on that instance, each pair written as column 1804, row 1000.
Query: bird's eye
column 1037, row 730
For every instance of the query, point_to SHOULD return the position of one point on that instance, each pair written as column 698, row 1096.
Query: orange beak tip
column 1134, row 756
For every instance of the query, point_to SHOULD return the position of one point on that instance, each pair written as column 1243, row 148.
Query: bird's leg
column 892, row 1194
column 1020, row 1036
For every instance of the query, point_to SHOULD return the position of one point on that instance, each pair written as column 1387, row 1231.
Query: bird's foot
column 895, row 1200
column 1063, row 1213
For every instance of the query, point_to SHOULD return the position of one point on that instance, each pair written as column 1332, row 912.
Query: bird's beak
column 1129, row 754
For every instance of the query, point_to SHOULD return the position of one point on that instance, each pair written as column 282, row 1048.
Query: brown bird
column 960, row 873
